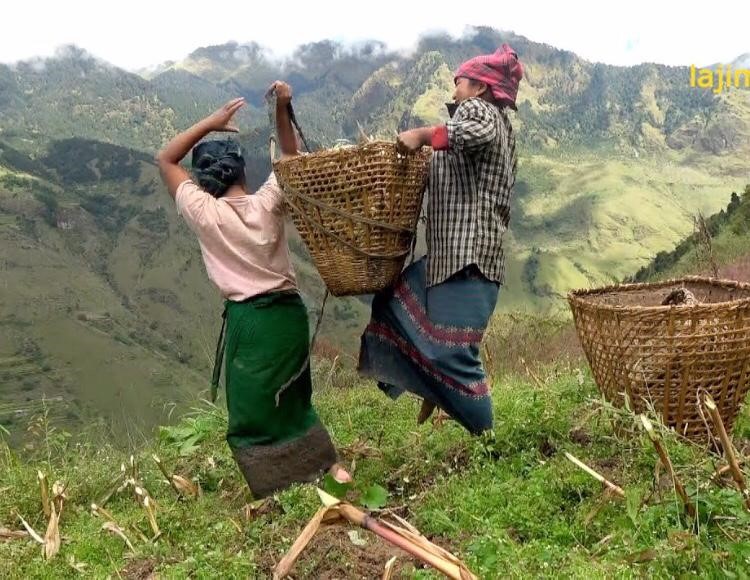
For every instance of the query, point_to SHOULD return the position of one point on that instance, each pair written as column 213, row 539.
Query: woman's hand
column 414, row 139
column 283, row 92
column 284, row 130
column 221, row 119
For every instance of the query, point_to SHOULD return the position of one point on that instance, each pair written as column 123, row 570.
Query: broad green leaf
column 374, row 497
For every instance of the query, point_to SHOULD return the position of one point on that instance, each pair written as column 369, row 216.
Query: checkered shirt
column 469, row 190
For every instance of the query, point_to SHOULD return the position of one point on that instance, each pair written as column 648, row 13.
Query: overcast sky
column 141, row 33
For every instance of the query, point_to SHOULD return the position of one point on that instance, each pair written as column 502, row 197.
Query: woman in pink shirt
column 274, row 431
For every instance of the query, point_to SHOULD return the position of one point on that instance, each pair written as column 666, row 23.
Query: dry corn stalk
column 149, row 506
column 36, row 537
column 51, row 540
column 58, row 497
column 133, row 468
column 667, row 462
column 389, row 569
column 6, row 534
column 79, row 567
column 726, row 443
column 182, row 486
column 132, row 478
column 112, row 527
column 44, row 492
column 616, row 489
column 115, row 487
column 287, row 562
column 186, row 487
column 102, row 513
column 99, row 511
column 52, row 536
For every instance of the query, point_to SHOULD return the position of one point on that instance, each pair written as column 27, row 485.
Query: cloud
column 144, row 32
column 631, row 44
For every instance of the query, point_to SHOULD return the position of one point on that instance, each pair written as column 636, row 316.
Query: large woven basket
column 669, row 357
column 356, row 209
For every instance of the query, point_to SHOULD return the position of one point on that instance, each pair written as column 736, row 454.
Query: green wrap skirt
column 274, row 431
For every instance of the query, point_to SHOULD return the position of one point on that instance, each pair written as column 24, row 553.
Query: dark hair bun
column 218, row 165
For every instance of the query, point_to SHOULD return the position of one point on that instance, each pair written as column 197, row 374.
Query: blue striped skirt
column 426, row 341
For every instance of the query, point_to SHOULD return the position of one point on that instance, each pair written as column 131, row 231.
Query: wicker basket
column 668, row 356
column 356, row 210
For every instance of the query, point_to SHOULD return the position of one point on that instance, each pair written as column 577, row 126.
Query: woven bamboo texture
column 666, row 357
column 356, row 209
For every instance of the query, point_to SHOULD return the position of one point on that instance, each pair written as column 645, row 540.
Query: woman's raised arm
column 168, row 159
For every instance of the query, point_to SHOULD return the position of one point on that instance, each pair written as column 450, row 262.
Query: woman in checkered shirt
column 425, row 333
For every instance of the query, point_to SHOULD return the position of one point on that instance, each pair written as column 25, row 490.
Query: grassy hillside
column 601, row 219
column 509, row 505
column 728, row 248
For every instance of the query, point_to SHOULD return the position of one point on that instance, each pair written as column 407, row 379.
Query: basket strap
column 318, row 226
column 270, row 97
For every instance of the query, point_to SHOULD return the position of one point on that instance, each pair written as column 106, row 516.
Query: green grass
column 509, row 505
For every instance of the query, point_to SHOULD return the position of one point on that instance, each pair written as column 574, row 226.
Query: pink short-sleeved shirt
column 242, row 238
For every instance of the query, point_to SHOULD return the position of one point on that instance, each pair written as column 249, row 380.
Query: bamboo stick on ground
column 287, row 562
column 616, row 489
column 726, row 443
column 360, row 518
column 408, row 540
column 667, row 462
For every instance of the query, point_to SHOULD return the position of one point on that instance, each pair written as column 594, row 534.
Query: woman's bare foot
column 340, row 474
column 424, row 413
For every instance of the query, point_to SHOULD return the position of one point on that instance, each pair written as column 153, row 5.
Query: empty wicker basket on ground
column 356, row 209
column 669, row 356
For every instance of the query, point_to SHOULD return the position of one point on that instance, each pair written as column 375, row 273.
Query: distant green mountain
column 77, row 95
column 729, row 250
